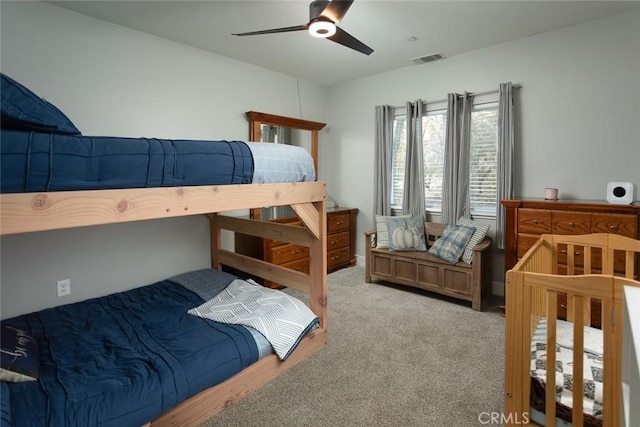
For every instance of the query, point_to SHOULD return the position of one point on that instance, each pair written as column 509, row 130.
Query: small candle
column 551, row 194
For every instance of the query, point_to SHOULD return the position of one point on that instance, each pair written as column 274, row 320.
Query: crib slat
column 550, row 394
column 587, row 259
column 578, row 362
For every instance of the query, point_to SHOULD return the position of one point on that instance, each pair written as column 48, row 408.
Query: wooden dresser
column 527, row 219
column 341, row 246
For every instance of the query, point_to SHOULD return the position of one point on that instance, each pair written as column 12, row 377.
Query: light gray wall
column 577, row 120
column 113, row 81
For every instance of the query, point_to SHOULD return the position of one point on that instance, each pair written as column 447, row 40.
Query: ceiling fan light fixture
column 322, row 28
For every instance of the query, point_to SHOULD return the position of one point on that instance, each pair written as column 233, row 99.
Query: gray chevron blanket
column 281, row 318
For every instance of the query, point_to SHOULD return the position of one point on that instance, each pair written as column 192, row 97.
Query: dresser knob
column 535, row 221
column 613, row 228
column 572, row 224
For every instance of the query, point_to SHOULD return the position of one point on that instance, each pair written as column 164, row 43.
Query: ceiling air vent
column 428, row 58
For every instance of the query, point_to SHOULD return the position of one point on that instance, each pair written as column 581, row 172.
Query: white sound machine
column 620, row 193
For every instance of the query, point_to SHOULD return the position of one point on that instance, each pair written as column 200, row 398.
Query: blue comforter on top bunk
column 124, row 359
column 36, row 162
column 42, row 150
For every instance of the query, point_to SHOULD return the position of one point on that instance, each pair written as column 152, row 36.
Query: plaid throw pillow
column 451, row 244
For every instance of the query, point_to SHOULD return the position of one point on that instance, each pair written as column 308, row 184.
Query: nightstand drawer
column 338, row 240
column 338, row 222
column 338, row 256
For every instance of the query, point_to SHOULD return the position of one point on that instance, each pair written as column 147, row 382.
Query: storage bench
column 425, row 271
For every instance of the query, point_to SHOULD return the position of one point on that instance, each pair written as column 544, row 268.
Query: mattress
column 40, row 161
column 592, row 371
column 126, row 358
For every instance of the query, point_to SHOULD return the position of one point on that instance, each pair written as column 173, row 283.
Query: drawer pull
column 564, row 251
column 563, row 306
column 333, row 242
column 339, row 222
column 535, row 221
column 295, row 252
column 572, row 224
column 334, row 257
column 613, row 228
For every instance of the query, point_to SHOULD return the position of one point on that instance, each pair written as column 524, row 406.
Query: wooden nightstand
column 341, row 246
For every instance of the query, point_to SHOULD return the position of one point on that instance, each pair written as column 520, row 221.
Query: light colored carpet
column 394, row 357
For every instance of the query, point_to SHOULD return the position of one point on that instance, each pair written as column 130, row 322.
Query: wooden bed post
column 514, row 342
column 216, row 241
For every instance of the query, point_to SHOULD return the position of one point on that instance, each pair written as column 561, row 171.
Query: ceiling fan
column 324, row 15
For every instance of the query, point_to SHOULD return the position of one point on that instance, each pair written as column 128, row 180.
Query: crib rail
column 531, row 294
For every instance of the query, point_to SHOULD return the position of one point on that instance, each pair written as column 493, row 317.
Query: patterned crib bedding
column 592, row 368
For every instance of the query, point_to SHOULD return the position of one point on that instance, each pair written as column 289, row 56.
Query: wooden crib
column 579, row 279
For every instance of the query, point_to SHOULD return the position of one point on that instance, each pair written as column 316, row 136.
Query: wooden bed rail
column 311, row 235
column 531, row 294
column 28, row 212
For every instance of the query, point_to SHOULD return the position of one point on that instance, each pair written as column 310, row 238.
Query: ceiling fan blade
column 336, row 10
column 274, row 30
column 346, row 39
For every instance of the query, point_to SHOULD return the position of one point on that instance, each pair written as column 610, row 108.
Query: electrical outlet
column 64, row 287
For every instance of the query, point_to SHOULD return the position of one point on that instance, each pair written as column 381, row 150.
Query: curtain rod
column 488, row 92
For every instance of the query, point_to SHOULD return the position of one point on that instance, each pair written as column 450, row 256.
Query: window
column 482, row 170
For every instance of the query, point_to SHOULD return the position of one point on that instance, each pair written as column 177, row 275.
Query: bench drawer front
column 404, row 271
column 428, row 275
column 457, row 281
column 382, row 265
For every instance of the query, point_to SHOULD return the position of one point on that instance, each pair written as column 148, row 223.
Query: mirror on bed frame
column 265, row 127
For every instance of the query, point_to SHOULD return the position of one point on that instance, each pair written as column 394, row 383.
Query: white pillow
column 382, row 229
column 477, row 237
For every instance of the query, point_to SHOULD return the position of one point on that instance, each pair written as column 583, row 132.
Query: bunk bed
column 560, row 288
column 179, row 190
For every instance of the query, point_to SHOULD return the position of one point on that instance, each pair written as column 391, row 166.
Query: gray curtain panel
column 455, row 184
column 506, row 143
column 413, row 200
column 383, row 158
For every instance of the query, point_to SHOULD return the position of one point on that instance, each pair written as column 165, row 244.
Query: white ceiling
column 396, row 30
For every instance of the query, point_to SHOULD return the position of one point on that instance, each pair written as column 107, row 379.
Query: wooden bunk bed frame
column 32, row 212
column 531, row 292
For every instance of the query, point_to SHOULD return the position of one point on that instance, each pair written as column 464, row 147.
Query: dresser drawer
column 338, row 240
column 534, row 221
column 282, row 254
column 338, row 256
column 301, row 265
column 624, row 225
column 525, row 242
column 338, row 222
column 571, row 223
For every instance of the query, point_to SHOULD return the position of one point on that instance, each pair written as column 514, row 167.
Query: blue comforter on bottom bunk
column 123, row 359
